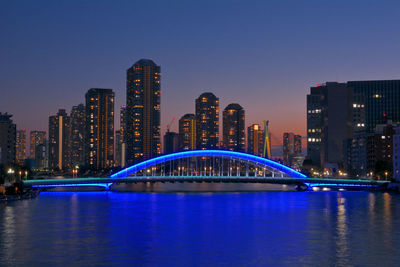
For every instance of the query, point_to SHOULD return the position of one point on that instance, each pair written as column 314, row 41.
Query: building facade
column 380, row 150
column 99, row 128
column 187, row 132
column 207, row 121
column 255, row 140
column 171, row 142
column 143, row 102
column 59, row 141
column 21, row 147
column 36, row 138
column 329, row 123
column 78, row 135
column 8, row 133
column 118, row 148
column 233, row 128
column 396, row 154
column 292, row 150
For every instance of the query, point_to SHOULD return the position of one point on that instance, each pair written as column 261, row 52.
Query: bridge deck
column 106, row 182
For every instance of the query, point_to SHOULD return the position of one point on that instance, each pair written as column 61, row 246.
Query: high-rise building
column 207, row 121
column 78, row 133
column 187, row 132
column 329, row 122
column 21, row 147
column 7, row 139
column 122, row 118
column 41, row 152
column 381, row 99
column 59, row 141
column 118, row 148
column 380, row 149
column 341, row 116
column 36, row 138
column 143, row 130
column 171, row 142
column 233, row 128
column 122, row 138
column 396, row 154
column 288, row 147
column 291, row 149
column 99, row 128
column 255, row 140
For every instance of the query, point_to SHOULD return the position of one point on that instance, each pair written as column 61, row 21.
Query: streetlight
column 386, row 174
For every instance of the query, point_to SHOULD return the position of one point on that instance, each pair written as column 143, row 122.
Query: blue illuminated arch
column 204, row 153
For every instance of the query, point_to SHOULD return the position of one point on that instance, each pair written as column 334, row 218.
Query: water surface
column 196, row 229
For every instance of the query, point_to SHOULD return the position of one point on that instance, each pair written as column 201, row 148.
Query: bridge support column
column 302, row 187
column 107, row 186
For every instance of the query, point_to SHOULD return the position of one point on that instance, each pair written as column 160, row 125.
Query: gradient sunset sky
column 263, row 55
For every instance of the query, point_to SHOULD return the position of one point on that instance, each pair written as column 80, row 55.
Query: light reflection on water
column 184, row 229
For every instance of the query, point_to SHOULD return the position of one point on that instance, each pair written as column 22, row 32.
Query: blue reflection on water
column 275, row 228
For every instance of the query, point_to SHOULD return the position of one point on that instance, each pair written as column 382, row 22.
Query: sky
column 264, row 55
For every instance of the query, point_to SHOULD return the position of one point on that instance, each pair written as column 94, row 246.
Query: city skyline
column 249, row 39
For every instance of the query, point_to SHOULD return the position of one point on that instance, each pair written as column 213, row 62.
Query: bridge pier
column 302, row 187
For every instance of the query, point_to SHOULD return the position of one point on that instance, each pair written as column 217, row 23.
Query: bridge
column 210, row 166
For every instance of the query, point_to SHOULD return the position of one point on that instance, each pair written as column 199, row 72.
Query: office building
column 380, row 150
column 233, row 128
column 207, row 121
column 99, row 128
column 187, row 132
column 143, row 131
column 381, row 99
column 329, row 123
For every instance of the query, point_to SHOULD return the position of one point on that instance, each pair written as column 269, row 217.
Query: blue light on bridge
column 204, row 153
column 106, row 185
column 340, row 185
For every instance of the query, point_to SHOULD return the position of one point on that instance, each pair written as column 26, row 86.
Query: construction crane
column 170, row 124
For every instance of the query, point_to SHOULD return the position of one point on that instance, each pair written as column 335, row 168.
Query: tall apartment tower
column 233, row 128
column 187, row 132
column 122, row 120
column 21, row 146
column 143, row 131
column 59, row 141
column 35, row 138
column 78, row 133
column 7, row 139
column 122, row 137
column 99, row 128
column 255, row 140
column 207, row 121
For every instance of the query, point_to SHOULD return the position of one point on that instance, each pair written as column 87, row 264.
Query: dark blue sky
column 263, row 55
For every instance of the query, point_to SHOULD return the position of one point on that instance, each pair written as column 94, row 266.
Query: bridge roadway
column 302, row 183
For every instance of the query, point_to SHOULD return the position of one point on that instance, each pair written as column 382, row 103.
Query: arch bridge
column 208, row 166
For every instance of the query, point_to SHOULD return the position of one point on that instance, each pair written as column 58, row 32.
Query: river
column 275, row 228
